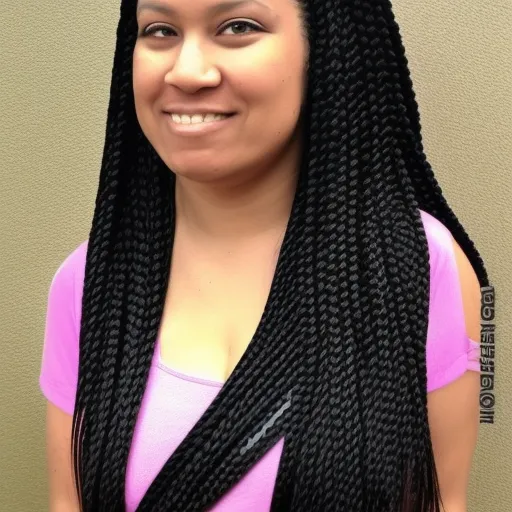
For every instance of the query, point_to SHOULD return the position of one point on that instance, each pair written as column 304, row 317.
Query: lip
column 194, row 130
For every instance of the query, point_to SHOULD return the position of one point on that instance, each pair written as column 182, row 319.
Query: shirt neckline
column 184, row 376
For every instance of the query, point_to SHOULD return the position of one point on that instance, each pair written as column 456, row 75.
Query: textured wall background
column 55, row 65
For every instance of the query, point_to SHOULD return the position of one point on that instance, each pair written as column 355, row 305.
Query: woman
column 276, row 307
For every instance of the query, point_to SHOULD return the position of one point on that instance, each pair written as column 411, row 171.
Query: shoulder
column 75, row 260
column 444, row 251
column 65, row 293
column 443, row 248
column 72, row 268
column 440, row 240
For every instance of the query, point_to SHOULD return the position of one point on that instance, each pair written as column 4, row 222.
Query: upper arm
column 453, row 409
column 59, row 374
column 62, row 492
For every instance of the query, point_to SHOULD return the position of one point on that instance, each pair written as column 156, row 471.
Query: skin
column 234, row 191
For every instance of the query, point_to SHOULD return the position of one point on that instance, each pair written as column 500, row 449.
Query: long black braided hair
column 338, row 362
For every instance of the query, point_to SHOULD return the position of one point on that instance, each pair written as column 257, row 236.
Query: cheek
column 270, row 81
column 267, row 70
column 147, row 77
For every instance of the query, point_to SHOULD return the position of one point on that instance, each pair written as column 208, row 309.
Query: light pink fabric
column 174, row 402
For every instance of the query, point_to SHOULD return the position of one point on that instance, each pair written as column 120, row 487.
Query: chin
column 200, row 166
column 200, row 171
column 198, row 175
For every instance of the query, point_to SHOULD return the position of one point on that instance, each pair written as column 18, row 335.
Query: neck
column 235, row 212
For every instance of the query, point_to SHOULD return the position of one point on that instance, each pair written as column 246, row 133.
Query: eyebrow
column 219, row 8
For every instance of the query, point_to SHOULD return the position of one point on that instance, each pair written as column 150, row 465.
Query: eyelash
column 157, row 28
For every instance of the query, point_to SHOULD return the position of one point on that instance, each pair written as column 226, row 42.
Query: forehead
column 212, row 7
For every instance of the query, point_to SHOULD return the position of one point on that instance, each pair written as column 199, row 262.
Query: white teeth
column 208, row 118
column 197, row 118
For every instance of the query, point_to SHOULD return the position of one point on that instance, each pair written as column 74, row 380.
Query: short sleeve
column 450, row 351
column 59, row 365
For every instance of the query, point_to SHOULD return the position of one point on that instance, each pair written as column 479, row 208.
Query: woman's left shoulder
column 439, row 238
column 445, row 251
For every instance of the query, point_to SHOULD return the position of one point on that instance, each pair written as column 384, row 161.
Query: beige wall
column 55, row 62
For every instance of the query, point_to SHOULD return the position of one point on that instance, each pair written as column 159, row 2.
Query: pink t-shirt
column 158, row 433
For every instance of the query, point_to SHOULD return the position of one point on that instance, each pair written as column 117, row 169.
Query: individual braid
column 340, row 350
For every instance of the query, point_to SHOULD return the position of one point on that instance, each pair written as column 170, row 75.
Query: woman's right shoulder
column 66, row 288
column 71, row 270
column 75, row 260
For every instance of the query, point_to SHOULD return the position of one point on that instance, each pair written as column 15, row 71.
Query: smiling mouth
column 194, row 119
column 186, row 126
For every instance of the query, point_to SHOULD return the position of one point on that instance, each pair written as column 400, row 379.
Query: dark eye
column 156, row 28
column 239, row 25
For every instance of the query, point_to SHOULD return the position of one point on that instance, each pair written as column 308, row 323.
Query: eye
column 240, row 24
column 156, row 28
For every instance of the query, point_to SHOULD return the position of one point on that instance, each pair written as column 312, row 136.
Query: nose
column 192, row 69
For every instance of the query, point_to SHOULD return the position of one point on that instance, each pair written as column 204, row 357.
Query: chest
column 171, row 406
column 212, row 310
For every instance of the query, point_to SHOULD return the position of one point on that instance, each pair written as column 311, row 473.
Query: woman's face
column 246, row 58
